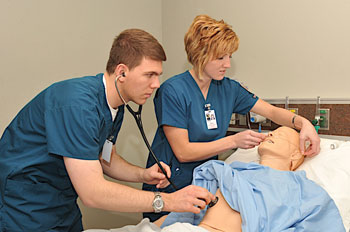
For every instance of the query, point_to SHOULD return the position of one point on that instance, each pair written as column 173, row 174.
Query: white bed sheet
column 330, row 169
column 146, row 226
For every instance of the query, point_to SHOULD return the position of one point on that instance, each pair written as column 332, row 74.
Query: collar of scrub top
column 137, row 116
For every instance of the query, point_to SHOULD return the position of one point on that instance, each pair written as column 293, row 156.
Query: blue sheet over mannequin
column 267, row 199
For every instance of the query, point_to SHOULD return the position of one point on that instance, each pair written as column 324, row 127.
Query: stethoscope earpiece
column 120, row 75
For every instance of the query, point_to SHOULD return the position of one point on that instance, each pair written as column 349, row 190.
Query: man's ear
column 121, row 71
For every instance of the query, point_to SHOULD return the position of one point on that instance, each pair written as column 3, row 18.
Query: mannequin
column 280, row 150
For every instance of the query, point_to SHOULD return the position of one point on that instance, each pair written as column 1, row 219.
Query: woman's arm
column 285, row 118
column 186, row 151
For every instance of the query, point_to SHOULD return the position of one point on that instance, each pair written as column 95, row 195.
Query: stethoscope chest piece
column 213, row 202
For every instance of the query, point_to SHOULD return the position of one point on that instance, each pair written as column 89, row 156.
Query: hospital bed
column 330, row 169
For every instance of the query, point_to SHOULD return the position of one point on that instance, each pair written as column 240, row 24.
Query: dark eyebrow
column 153, row 73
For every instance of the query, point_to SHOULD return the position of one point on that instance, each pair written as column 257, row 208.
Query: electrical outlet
column 324, row 119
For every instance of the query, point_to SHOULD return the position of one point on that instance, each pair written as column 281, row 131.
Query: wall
column 47, row 41
column 287, row 48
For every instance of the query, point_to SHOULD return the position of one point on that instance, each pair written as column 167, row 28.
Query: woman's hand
column 308, row 134
column 248, row 139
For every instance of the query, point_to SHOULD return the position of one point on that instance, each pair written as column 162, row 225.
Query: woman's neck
column 202, row 83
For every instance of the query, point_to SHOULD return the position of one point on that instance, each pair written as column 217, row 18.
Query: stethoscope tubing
column 137, row 116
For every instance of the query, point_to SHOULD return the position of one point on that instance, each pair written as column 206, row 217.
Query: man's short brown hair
column 131, row 46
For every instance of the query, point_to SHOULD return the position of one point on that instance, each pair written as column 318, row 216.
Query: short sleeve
column 244, row 101
column 73, row 132
column 170, row 107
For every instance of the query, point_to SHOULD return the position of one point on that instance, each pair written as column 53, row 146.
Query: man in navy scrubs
column 60, row 144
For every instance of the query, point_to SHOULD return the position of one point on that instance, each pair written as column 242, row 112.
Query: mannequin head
column 280, row 150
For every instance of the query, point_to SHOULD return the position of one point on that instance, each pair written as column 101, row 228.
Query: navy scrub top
column 70, row 118
column 180, row 103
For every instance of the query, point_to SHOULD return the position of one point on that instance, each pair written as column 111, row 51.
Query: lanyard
column 114, row 130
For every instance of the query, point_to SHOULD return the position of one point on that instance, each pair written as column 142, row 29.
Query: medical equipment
column 137, row 116
column 212, row 203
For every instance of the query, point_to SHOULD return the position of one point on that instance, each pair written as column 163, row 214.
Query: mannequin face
column 280, row 149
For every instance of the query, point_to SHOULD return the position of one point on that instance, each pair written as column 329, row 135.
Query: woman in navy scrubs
column 50, row 153
column 194, row 108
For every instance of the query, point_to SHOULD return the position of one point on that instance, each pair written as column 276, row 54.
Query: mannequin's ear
column 297, row 159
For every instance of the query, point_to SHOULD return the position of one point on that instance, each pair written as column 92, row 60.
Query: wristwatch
column 158, row 202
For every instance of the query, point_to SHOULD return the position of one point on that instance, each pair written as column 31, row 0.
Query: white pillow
column 244, row 155
column 330, row 169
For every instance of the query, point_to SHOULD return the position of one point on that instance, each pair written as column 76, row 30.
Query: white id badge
column 210, row 119
column 107, row 150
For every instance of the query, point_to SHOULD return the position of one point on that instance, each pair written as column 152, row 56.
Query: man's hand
column 153, row 175
column 188, row 199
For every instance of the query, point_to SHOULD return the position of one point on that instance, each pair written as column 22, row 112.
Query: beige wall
column 288, row 48
column 44, row 41
column 294, row 48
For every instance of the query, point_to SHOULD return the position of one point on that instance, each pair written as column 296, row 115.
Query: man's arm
column 120, row 169
column 95, row 191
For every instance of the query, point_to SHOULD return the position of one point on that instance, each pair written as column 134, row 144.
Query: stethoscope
column 137, row 116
